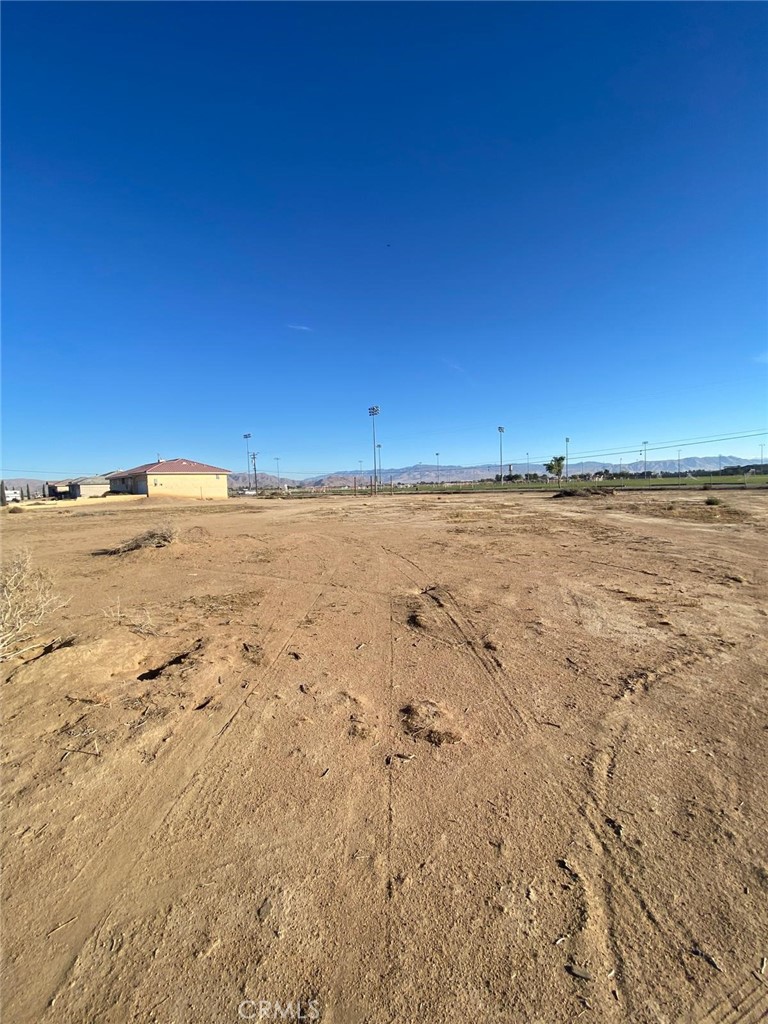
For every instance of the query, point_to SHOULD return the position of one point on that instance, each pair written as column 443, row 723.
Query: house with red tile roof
column 175, row 478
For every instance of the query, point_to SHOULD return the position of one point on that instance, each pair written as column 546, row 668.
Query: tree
column 27, row 492
column 3, row 499
column 555, row 467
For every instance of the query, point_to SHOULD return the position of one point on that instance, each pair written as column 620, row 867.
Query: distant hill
column 268, row 481
column 428, row 473
column 35, row 486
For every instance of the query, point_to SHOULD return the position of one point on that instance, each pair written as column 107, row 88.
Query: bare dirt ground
column 411, row 759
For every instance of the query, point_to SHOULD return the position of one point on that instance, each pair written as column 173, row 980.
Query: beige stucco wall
column 188, row 485
column 93, row 490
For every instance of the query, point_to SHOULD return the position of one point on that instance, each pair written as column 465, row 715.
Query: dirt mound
column 425, row 721
column 196, row 535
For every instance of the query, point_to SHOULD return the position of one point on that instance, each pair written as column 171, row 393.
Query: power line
column 627, row 449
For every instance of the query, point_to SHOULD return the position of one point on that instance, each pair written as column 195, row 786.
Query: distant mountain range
column 428, row 473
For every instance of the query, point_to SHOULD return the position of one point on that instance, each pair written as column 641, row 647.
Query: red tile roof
column 169, row 466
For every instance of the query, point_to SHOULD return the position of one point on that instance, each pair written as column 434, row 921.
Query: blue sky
column 222, row 218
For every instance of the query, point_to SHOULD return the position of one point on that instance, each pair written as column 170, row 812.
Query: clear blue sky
column 234, row 217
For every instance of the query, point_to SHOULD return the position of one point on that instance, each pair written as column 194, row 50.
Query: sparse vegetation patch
column 27, row 596
column 158, row 537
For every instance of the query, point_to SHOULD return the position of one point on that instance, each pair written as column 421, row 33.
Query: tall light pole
column 277, row 460
column 645, row 461
column 437, row 456
column 378, row 449
column 567, row 442
column 254, row 456
column 373, row 412
column 246, row 438
column 501, row 458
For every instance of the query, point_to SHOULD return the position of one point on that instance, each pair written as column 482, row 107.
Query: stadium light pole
column 501, row 457
column 645, row 461
column 246, row 438
column 567, row 442
column 277, row 460
column 254, row 456
column 437, row 456
column 378, row 449
column 373, row 412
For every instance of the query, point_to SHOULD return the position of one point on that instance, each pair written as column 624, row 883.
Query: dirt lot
column 412, row 759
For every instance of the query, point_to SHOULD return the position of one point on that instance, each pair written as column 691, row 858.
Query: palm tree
column 555, row 467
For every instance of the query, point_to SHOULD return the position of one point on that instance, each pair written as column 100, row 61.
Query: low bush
column 158, row 537
column 27, row 596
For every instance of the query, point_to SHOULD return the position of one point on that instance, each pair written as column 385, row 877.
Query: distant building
column 180, row 478
column 80, row 487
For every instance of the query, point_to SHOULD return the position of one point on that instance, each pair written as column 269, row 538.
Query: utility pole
column 437, row 456
column 679, row 480
column 373, row 412
column 501, row 457
column 645, row 461
column 255, row 474
column 567, row 442
column 246, row 438
column 527, row 467
column 277, row 460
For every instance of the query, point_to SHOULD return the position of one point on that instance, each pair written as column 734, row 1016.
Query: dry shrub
column 138, row 621
column 15, row 509
column 27, row 596
column 583, row 492
column 158, row 537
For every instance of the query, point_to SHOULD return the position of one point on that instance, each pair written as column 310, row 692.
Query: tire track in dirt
column 616, row 877
column 148, row 818
column 745, row 1004
column 345, row 1004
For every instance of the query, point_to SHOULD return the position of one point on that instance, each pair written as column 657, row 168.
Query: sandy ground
column 412, row 759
